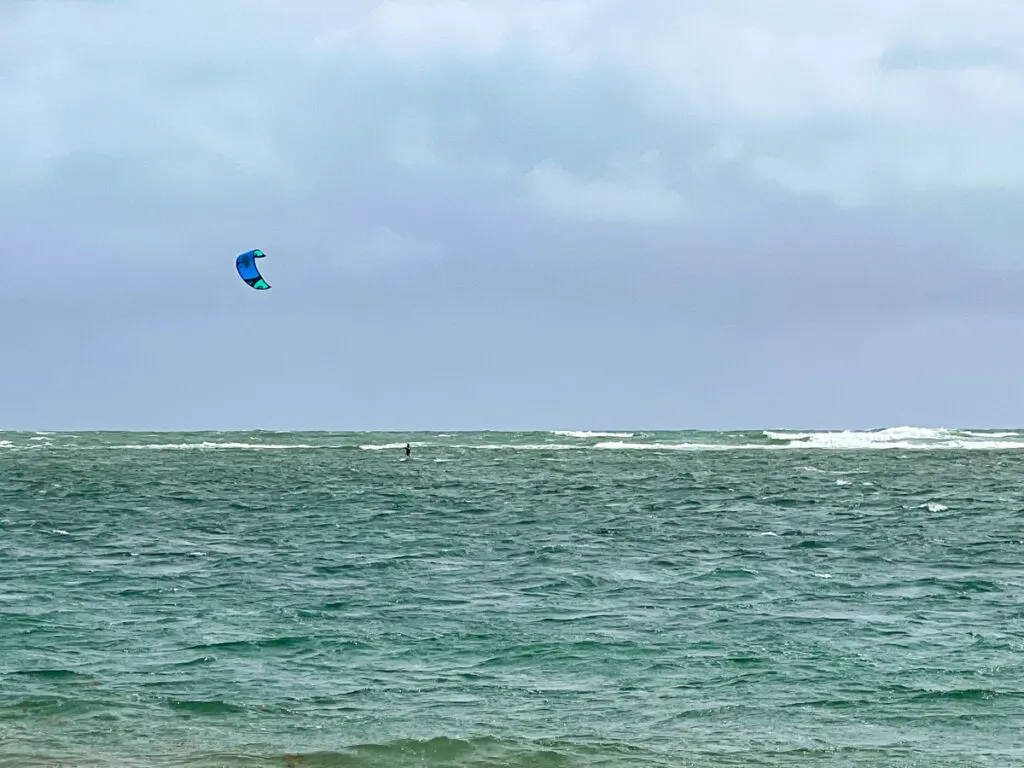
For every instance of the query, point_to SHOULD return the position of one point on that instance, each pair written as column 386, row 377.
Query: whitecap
column 388, row 446
column 210, row 445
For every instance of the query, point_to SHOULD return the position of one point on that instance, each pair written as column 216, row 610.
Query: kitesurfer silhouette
column 408, row 450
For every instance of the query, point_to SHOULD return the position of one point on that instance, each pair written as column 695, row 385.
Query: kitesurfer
column 408, row 450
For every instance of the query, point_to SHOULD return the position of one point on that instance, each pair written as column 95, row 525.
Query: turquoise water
column 526, row 599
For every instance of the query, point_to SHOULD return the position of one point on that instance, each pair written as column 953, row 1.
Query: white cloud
column 863, row 101
column 633, row 194
column 808, row 85
column 845, row 175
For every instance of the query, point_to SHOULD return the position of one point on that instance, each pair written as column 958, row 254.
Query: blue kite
column 247, row 270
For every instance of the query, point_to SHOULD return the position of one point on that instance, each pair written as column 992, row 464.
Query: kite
column 247, row 270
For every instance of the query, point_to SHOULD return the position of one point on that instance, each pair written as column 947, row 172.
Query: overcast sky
column 491, row 214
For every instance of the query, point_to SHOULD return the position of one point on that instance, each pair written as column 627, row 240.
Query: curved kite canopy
column 247, row 270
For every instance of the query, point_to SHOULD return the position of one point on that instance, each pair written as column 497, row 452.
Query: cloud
column 627, row 197
column 810, row 88
column 856, row 102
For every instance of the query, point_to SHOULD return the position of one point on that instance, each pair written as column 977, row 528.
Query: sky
column 480, row 214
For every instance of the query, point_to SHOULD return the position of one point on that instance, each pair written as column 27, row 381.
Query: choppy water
column 543, row 599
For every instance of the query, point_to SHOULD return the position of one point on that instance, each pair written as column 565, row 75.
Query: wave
column 214, row 707
column 585, row 434
column 444, row 752
column 436, row 752
column 889, row 433
column 902, row 438
column 477, row 446
column 212, row 445
column 891, row 438
column 663, row 446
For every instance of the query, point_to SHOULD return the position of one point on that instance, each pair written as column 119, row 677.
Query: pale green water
column 668, row 599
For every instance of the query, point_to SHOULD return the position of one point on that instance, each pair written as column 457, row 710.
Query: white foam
column 853, row 439
column 209, row 445
column 482, row 446
column 583, row 435
column 523, row 447
column 787, row 435
column 898, row 438
column 902, row 438
column 618, row 445
column 934, row 506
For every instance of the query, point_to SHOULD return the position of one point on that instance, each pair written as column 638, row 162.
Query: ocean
column 541, row 599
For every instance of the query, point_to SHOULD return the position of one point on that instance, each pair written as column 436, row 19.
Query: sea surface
column 545, row 599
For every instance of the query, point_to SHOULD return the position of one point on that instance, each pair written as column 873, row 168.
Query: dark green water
column 533, row 600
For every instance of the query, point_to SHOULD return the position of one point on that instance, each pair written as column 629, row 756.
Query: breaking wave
column 901, row 438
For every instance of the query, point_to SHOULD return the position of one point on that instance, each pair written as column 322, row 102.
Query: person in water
column 408, row 450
